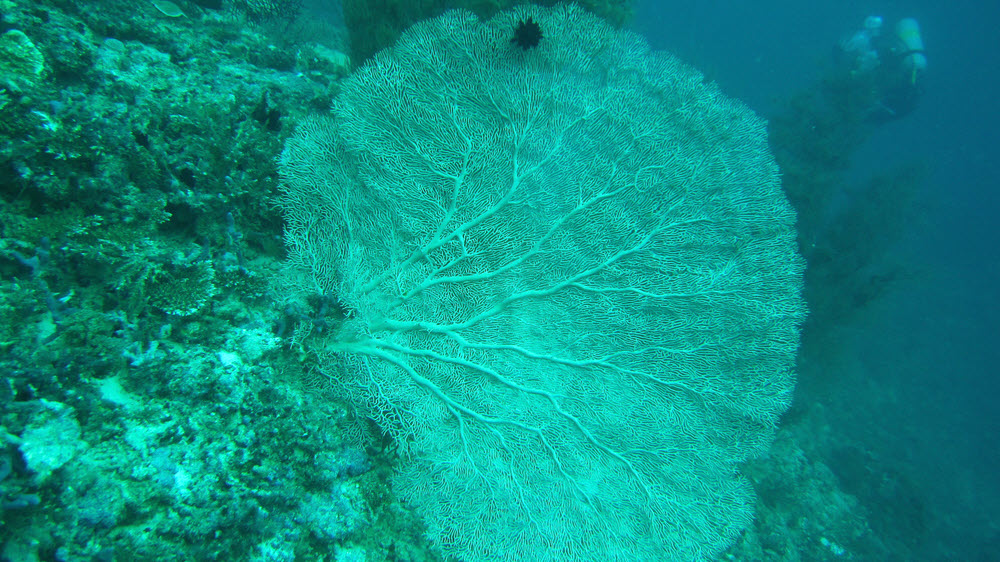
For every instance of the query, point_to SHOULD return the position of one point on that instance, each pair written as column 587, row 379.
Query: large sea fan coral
column 570, row 285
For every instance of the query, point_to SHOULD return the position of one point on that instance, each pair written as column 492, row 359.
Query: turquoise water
column 181, row 381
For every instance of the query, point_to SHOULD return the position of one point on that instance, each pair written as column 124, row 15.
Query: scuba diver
column 892, row 65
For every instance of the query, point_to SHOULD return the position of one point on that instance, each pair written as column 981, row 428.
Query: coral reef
column 159, row 397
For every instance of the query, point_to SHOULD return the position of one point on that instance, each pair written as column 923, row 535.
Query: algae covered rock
column 19, row 57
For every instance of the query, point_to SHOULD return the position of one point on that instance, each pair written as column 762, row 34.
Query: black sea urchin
column 527, row 34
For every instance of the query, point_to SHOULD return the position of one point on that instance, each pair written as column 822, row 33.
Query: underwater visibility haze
column 371, row 280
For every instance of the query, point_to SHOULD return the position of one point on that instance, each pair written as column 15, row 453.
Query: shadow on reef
column 895, row 507
column 846, row 233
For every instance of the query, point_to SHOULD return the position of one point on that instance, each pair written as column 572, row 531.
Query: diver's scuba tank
column 911, row 53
